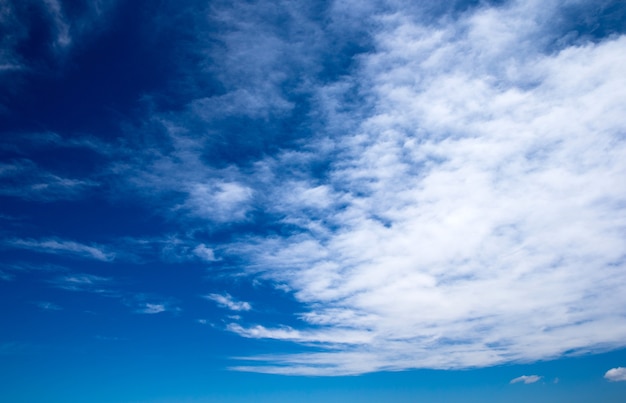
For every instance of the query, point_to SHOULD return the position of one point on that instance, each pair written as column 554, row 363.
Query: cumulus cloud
column 526, row 379
column 616, row 374
column 473, row 215
column 226, row 301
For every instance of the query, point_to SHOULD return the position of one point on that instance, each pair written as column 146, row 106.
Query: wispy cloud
column 24, row 179
column 335, row 336
column 48, row 306
column 527, row 379
column 6, row 276
column 151, row 304
column 616, row 374
column 151, row 308
column 226, row 301
column 86, row 283
column 63, row 38
column 58, row 33
column 58, row 246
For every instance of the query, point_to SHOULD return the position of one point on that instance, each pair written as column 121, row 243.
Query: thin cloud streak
column 58, row 246
column 527, row 379
column 25, row 180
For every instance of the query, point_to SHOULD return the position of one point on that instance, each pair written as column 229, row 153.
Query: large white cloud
column 475, row 216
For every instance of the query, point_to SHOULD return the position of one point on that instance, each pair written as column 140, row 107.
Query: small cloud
column 616, row 374
column 6, row 276
column 84, row 279
column 226, row 301
column 205, row 253
column 48, row 306
column 527, row 379
column 151, row 304
column 152, row 308
column 201, row 321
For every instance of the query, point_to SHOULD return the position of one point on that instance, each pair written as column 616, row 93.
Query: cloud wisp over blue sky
column 337, row 188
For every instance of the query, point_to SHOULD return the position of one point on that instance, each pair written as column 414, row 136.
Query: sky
column 278, row 201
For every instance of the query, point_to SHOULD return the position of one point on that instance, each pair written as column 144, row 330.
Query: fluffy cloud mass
column 474, row 212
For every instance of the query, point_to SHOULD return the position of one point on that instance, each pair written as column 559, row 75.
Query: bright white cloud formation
column 475, row 216
column 616, row 374
column 526, row 379
column 226, row 301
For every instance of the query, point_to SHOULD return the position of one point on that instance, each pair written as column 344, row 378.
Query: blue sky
column 312, row 201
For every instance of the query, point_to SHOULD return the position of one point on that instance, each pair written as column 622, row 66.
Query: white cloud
column 526, row 379
column 57, row 246
column 226, row 301
column 205, row 253
column 335, row 336
column 220, row 201
column 149, row 308
column 616, row 374
column 481, row 203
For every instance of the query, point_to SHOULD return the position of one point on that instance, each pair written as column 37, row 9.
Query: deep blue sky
column 312, row 201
